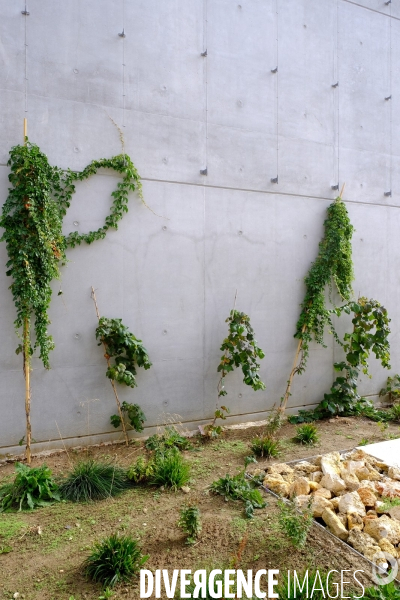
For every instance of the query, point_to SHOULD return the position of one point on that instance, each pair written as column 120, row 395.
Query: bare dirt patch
column 47, row 566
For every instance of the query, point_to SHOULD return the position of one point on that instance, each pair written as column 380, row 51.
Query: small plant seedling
column 31, row 487
column 170, row 438
column 249, row 459
column 90, row 480
column 107, row 593
column 114, row 560
column 391, row 389
column 364, row 442
column 190, row 522
column 266, row 447
column 295, row 523
column 239, row 488
column 141, row 470
column 170, row 470
column 307, row 434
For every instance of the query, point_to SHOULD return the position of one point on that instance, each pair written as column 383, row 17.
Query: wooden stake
column 111, row 380
column 292, row 373
column 27, row 366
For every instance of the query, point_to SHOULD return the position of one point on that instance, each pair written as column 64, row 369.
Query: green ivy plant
column 332, row 265
column 370, row 334
column 240, row 350
column 32, row 216
column 128, row 353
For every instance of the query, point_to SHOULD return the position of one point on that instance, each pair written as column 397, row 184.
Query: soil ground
column 47, row 566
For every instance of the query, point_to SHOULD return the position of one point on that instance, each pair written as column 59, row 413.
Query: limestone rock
column 394, row 473
column 306, row 467
column 359, row 455
column 368, row 518
column 383, row 527
column 354, row 521
column 279, row 469
column 319, row 504
column 362, row 473
column 277, row 484
column 386, row 546
column 314, row 486
column 381, row 465
column 316, row 476
column 395, row 513
column 367, row 496
column 302, row 501
column 335, row 503
column 350, row 479
column 342, row 518
column 323, row 493
column 372, row 512
column 374, row 475
column 335, row 525
column 330, row 464
column 351, row 503
column 333, row 482
column 363, row 543
column 388, row 488
column 351, row 466
column 380, row 507
column 300, row 487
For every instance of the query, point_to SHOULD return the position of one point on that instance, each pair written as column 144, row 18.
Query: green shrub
column 266, row 447
column 141, row 470
column 307, row 434
column 190, row 522
column 114, row 560
column 31, row 487
column 295, row 523
column 171, row 438
column 170, row 470
column 395, row 411
column 239, row 488
column 90, row 480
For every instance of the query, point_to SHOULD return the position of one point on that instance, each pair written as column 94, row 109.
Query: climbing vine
column 370, row 334
column 32, row 220
column 332, row 265
column 240, row 350
column 127, row 353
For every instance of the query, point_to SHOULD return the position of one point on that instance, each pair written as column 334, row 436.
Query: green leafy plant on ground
column 240, row 349
column 190, row 522
column 115, row 559
column 170, row 470
column 295, row 523
column 141, row 470
column 32, row 487
column 170, row 438
column 133, row 413
column 370, row 334
column 237, row 487
column 389, row 503
column 266, row 446
column 307, row 434
column 391, row 389
column 90, row 480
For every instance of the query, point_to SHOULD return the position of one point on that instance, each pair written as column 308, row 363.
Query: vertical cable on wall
column 122, row 35
column 389, row 99
column 26, row 14
column 275, row 71
column 336, row 104
column 204, row 54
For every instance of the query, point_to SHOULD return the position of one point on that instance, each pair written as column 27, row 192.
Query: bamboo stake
column 111, row 380
column 27, row 365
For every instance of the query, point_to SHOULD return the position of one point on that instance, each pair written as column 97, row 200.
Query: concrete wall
column 173, row 279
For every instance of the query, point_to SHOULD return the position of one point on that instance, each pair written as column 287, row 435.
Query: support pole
column 27, row 365
column 111, row 380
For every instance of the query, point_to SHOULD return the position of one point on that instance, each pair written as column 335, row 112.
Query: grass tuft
column 266, row 446
column 170, row 470
column 114, row 560
column 90, row 481
column 307, row 434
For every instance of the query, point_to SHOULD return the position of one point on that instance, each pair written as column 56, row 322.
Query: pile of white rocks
column 346, row 492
